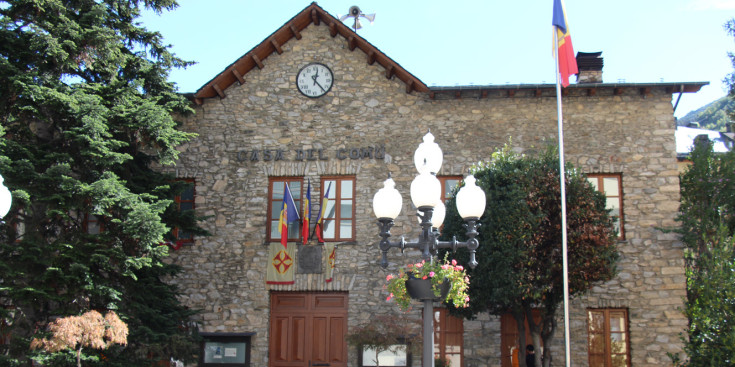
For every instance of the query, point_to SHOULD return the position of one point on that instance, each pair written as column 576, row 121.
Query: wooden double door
column 308, row 329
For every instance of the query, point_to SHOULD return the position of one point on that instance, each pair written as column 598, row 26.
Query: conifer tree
column 86, row 112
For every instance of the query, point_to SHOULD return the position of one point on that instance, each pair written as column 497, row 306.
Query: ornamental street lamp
column 427, row 197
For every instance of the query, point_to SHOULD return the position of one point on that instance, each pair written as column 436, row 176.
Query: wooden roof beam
column 591, row 92
column 351, row 43
column 389, row 71
column 458, row 94
column 276, row 46
column 257, row 61
column 198, row 101
column 371, row 57
column 483, row 94
column 645, row 91
column 239, row 76
column 314, row 17
column 409, row 87
column 332, row 29
column 618, row 91
column 511, row 93
column 295, row 32
column 537, row 93
column 219, row 91
column 432, row 95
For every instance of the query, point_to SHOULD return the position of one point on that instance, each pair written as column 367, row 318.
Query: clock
column 314, row 80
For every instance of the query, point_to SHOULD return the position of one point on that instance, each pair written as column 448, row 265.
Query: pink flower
column 454, row 262
column 459, row 268
column 410, row 266
column 389, row 277
column 431, row 274
column 466, row 299
column 466, row 279
column 424, row 277
column 419, row 265
column 445, row 266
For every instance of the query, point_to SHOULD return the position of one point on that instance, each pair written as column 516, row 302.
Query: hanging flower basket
column 442, row 281
column 422, row 289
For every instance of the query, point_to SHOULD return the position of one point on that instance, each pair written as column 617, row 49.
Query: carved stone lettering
column 299, row 155
column 341, row 153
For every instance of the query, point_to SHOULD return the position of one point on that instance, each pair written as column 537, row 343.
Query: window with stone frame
column 611, row 184
column 608, row 338
column 448, row 184
column 276, row 189
column 339, row 210
column 185, row 202
column 448, row 337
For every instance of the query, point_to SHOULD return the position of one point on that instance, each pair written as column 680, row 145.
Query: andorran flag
column 564, row 50
column 331, row 255
column 306, row 216
column 281, row 264
column 319, row 227
column 288, row 214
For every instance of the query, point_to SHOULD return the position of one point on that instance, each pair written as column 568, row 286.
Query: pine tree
column 86, row 112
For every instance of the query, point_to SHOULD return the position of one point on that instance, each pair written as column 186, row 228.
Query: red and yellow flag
column 331, row 254
column 564, row 50
column 320, row 218
column 288, row 215
column 306, row 215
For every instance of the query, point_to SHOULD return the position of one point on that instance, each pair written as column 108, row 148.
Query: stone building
column 257, row 131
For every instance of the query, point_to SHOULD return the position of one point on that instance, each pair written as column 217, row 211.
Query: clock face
column 314, row 80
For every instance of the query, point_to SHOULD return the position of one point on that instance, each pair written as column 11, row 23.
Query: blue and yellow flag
column 319, row 228
column 288, row 215
column 564, row 49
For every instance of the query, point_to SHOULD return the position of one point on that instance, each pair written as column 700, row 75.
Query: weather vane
column 356, row 13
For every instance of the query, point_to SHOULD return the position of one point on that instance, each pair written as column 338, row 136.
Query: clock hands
column 313, row 77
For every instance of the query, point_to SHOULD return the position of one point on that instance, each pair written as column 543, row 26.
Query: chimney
column 589, row 65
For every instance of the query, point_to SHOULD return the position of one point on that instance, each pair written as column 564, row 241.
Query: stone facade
column 611, row 132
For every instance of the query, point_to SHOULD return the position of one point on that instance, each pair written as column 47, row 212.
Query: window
column 92, row 224
column 608, row 344
column 448, row 184
column 397, row 355
column 339, row 212
column 276, row 188
column 185, row 202
column 612, row 186
column 225, row 349
column 448, row 337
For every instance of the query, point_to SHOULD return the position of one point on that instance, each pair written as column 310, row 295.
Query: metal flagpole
column 562, row 178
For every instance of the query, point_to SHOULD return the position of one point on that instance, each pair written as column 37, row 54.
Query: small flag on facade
column 331, row 254
column 306, row 215
column 319, row 228
column 288, row 215
column 281, row 264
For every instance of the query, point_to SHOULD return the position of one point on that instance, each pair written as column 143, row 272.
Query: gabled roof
column 312, row 14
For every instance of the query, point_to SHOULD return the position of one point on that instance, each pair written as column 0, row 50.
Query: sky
column 479, row 42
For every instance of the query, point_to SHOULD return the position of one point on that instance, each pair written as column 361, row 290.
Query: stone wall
column 224, row 274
